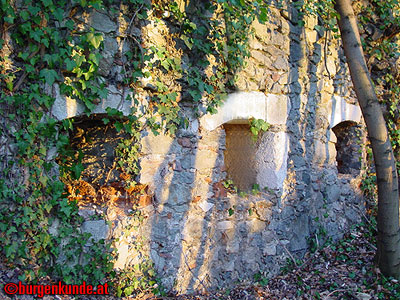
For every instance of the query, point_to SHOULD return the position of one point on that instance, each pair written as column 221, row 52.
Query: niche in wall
column 240, row 156
column 92, row 154
column 348, row 147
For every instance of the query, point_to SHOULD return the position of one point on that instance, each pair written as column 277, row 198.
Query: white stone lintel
column 239, row 107
column 342, row 111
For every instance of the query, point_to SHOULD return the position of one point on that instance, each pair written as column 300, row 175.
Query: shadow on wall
column 201, row 238
column 322, row 200
column 177, row 234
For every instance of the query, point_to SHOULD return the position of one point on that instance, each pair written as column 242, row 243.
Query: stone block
column 115, row 100
column 261, row 57
column 256, row 225
column 300, row 231
column 175, row 195
column 151, row 165
column 193, row 230
column 238, row 108
column 341, row 111
column 324, row 153
column 270, row 249
column 189, row 161
column 225, row 225
column 281, row 63
column 261, row 30
column 263, row 210
column 312, row 36
column 206, row 206
column 271, row 159
column 255, row 44
column 123, row 254
column 233, row 246
column 65, row 107
column 160, row 144
column 277, row 108
column 205, row 160
column 333, row 193
column 102, row 22
column 331, row 65
column 98, row 229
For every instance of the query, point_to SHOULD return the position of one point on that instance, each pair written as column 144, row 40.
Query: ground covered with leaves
column 341, row 270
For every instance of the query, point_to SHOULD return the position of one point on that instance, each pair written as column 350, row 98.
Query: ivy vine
column 44, row 47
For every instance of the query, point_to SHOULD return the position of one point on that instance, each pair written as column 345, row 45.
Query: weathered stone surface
column 225, row 225
column 206, row 206
column 160, row 144
column 281, row 64
column 102, row 22
column 270, row 249
column 64, row 107
column 272, row 157
column 277, row 109
column 123, row 254
column 324, row 153
column 300, row 233
column 98, row 229
column 261, row 58
column 255, row 225
column 260, row 30
column 238, row 107
column 205, row 160
column 342, row 111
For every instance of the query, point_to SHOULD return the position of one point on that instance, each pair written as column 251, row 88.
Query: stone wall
column 202, row 234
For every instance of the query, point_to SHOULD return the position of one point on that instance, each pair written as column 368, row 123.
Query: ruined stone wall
column 201, row 233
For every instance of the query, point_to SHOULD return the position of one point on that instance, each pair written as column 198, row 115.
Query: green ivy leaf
column 11, row 249
column 118, row 126
column 58, row 14
column 78, row 169
column 47, row 2
column 34, row 10
column 9, row 19
column 24, row 15
column 49, row 76
column 95, row 58
column 70, row 64
column 94, row 39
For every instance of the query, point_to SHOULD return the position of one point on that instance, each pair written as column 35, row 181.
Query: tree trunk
column 388, row 254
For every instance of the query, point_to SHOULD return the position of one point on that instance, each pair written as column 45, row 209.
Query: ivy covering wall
column 47, row 44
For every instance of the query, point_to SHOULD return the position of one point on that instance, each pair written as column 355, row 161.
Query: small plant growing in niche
column 257, row 126
column 255, row 189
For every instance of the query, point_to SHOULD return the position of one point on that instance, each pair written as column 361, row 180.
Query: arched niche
column 348, row 147
column 97, row 171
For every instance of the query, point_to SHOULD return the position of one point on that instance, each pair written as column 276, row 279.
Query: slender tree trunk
column 388, row 254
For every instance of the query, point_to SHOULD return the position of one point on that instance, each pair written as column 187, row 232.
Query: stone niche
column 348, row 148
column 240, row 156
column 93, row 150
column 261, row 161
